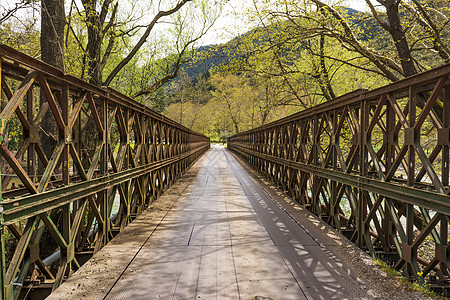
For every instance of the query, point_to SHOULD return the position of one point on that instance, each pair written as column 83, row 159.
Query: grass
column 396, row 275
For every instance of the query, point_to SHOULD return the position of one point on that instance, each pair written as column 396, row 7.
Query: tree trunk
column 53, row 19
column 324, row 76
column 95, row 38
column 399, row 37
column 236, row 126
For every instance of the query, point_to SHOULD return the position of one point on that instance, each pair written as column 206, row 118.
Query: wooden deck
column 218, row 234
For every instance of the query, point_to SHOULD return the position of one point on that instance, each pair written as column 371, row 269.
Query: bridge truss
column 374, row 165
column 110, row 158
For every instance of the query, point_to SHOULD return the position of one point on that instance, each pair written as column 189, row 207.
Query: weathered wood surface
column 217, row 235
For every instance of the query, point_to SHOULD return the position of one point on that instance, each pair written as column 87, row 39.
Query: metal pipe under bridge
column 135, row 209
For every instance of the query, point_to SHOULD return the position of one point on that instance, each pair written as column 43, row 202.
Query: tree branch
column 142, row 40
column 377, row 16
column 9, row 13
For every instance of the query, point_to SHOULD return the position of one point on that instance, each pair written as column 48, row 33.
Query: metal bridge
column 372, row 164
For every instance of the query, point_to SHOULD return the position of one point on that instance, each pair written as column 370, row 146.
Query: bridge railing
column 373, row 164
column 106, row 160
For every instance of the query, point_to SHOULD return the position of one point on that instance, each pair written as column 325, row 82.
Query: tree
column 411, row 37
column 9, row 10
column 53, row 20
column 189, row 97
column 299, row 67
column 129, row 50
column 21, row 34
column 402, row 55
column 111, row 40
column 398, row 33
column 232, row 95
column 433, row 31
column 189, row 27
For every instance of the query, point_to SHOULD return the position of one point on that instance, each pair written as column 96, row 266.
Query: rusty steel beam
column 373, row 164
column 110, row 152
column 424, row 198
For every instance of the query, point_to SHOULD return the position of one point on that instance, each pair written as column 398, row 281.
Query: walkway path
column 216, row 235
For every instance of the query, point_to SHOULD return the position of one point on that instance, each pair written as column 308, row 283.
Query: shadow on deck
column 218, row 234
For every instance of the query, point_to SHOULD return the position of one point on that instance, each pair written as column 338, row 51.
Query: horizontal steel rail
column 373, row 164
column 108, row 158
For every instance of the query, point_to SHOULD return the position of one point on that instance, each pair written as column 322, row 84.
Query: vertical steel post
column 67, row 254
column 105, row 212
column 445, row 254
column 315, row 161
column 4, row 292
column 334, row 211
column 67, row 134
column 412, row 102
column 412, row 257
column 32, row 134
column 363, row 169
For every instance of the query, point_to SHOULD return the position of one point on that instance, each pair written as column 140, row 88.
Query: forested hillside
column 298, row 54
column 301, row 56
